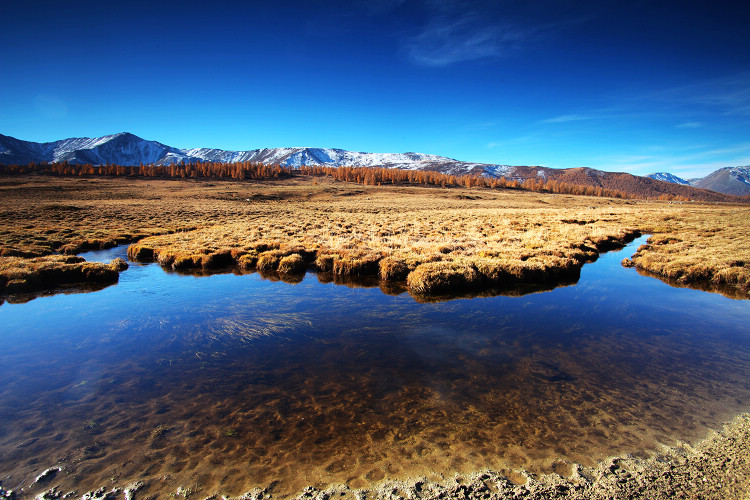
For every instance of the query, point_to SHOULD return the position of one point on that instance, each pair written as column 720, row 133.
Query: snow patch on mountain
column 667, row 177
column 742, row 174
column 506, row 171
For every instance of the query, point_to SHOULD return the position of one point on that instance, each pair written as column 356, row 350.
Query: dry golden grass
column 692, row 247
column 396, row 237
column 435, row 240
column 20, row 275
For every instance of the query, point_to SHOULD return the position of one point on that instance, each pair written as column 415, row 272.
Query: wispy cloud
column 678, row 162
column 728, row 95
column 741, row 148
column 693, row 106
column 524, row 139
column 690, row 125
column 479, row 126
column 443, row 42
column 470, row 30
column 567, row 118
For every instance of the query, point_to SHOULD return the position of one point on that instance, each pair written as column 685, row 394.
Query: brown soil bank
column 718, row 468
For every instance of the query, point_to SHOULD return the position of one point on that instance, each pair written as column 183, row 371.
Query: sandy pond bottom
column 224, row 383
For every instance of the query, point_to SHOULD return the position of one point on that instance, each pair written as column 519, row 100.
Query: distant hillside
column 640, row 186
column 129, row 150
column 729, row 180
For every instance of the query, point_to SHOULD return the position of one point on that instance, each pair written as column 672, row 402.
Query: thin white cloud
column 444, row 42
column 687, row 166
column 470, row 30
column 733, row 150
column 567, row 118
column 524, row 139
column 728, row 95
column 690, row 125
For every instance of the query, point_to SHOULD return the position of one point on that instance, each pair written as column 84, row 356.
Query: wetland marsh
column 244, row 381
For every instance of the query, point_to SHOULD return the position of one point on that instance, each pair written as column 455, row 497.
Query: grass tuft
column 292, row 264
column 443, row 277
column 393, row 269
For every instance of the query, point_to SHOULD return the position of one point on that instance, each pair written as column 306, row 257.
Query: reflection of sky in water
column 302, row 373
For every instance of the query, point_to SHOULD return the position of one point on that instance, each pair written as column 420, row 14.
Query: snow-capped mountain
column 728, row 180
column 667, row 177
column 297, row 157
column 128, row 149
column 122, row 149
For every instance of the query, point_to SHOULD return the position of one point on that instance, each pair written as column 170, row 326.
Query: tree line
column 202, row 170
column 371, row 176
column 374, row 176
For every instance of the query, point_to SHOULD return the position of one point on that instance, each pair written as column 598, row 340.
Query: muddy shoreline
column 718, row 467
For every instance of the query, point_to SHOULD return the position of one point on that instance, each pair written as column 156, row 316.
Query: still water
column 228, row 382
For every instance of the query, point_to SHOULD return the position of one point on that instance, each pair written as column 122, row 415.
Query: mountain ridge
column 125, row 148
column 727, row 180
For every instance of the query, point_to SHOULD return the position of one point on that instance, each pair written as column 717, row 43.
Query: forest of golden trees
column 203, row 170
column 371, row 176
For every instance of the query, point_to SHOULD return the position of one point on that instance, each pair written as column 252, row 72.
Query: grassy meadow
column 431, row 240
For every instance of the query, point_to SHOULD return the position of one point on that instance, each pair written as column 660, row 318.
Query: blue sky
column 636, row 86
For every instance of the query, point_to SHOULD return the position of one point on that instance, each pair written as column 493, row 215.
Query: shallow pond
column 227, row 382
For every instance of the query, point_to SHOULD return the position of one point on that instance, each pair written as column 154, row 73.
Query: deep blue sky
column 637, row 86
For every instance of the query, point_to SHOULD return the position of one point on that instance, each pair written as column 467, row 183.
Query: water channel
column 227, row 382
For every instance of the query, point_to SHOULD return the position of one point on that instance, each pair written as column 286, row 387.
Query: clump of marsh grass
column 324, row 262
column 248, row 261
column 269, row 260
column 292, row 264
column 119, row 265
column 140, row 252
column 393, row 269
column 353, row 264
column 443, row 277
column 679, row 260
column 19, row 275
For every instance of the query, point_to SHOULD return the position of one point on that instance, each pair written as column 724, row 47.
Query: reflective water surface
column 227, row 382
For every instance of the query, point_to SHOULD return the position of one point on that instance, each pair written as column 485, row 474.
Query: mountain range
column 728, row 180
column 128, row 149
